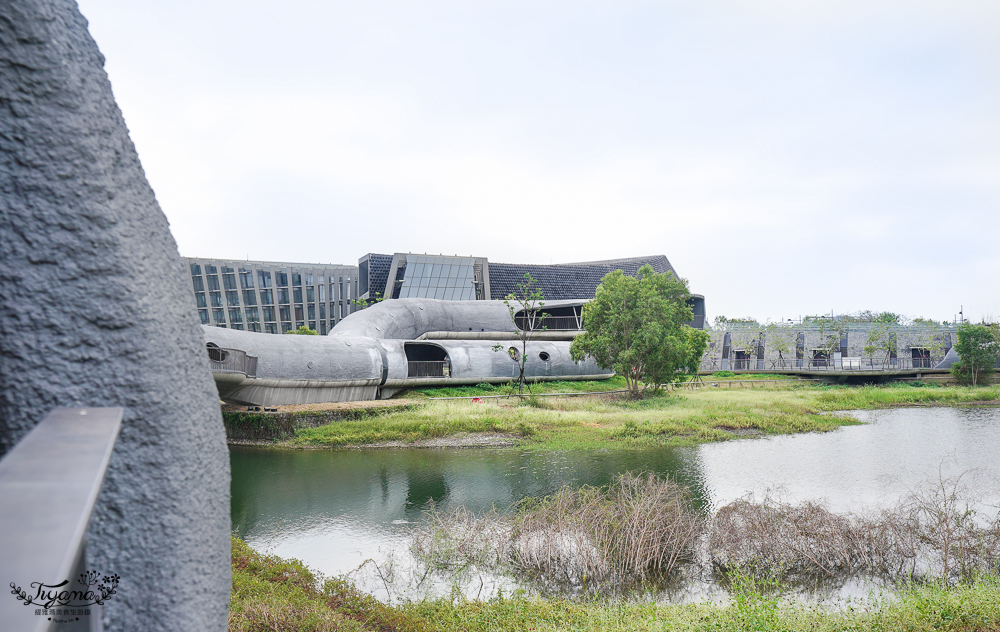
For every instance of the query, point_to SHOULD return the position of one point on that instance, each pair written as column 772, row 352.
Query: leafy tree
column 526, row 299
column 636, row 326
column 303, row 331
column 780, row 338
column 881, row 339
column 722, row 321
column 978, row 347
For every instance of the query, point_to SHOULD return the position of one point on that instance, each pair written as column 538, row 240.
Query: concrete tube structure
column 393, row 345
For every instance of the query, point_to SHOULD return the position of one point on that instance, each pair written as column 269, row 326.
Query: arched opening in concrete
column 568, row 318
column 424, row 359
column 216, row 353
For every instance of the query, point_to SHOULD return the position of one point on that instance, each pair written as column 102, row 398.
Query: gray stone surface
column 95, row 310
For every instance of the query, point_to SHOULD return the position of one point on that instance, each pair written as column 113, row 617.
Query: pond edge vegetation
column 786, row 542
column 603, row 421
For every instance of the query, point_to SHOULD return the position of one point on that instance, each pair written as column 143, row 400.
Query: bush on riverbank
column 272, row 594
column 643, row 528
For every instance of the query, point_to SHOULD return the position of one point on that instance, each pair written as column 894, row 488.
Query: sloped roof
column 563, row 281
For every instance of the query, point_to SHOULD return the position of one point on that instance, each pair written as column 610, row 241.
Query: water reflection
column 335, row 509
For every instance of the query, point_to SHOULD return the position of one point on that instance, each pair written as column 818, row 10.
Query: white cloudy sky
column 788, row 157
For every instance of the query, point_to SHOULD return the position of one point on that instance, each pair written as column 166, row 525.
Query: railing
column 49, row 482
column 223, row 360
column 550, row 323
column 824, row 364
column 428, row 368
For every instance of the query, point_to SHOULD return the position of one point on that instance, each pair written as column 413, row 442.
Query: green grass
column 676, row 418
column 565, row 386
column 272, row 594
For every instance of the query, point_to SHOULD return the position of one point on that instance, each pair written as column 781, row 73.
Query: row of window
column 247, row 278
column 267, row 314
column 278, row 300
column 267, row 297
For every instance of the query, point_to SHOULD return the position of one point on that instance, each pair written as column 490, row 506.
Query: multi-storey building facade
column 272, row 297
column 454, row 278
column 275, row 297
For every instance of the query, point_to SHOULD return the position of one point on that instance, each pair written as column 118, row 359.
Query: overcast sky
column 789, row 158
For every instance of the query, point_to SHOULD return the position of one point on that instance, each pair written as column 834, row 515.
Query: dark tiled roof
column 378, row 273
column 565, row 281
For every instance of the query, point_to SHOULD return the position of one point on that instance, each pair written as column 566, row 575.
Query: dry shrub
column 798, row 539
column 458, row 539
column 645, row 527
column 637, row 527
column 932, row 533
column 952, row 540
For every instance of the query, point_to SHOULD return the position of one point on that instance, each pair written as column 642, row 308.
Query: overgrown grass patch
column 679, row 417
column 900, row 394
column 480, row 390
column 271, row 593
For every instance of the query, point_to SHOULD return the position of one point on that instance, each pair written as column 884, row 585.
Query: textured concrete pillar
column 95, row 310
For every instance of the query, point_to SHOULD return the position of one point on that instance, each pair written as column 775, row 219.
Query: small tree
column 881, row 339
column 528, row 300
column 781, row 339
column 303, row 331
column 978, row 347
column 636, row 326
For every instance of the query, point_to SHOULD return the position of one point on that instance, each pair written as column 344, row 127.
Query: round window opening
column 514, row 355
column 544, row 356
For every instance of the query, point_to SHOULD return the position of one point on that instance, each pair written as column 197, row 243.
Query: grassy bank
column 610, row 421
column 280, row 595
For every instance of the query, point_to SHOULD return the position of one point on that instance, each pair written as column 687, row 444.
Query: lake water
column 334, row 509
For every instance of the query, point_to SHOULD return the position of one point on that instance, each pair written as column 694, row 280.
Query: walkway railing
column 49, row 482
column 224, row 360
column 427, row 368
column 822, row 364
column 550, row 323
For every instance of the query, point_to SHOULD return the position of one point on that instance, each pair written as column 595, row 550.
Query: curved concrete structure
column 95, row 311
column 392, row 345
column 952, row 357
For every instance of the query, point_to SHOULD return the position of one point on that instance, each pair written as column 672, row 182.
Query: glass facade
column 232, row 300
column 445, row 278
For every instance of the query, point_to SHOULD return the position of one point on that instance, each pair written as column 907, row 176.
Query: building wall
column 780, row 341
column 447, row 277
column 272, row 297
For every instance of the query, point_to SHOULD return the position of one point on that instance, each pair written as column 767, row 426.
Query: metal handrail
column 551, row 323
column 49, row 483
column 825, row 364
column 428, row 368
column 224, row 360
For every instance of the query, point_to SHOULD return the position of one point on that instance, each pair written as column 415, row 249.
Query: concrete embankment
column 247, row 427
